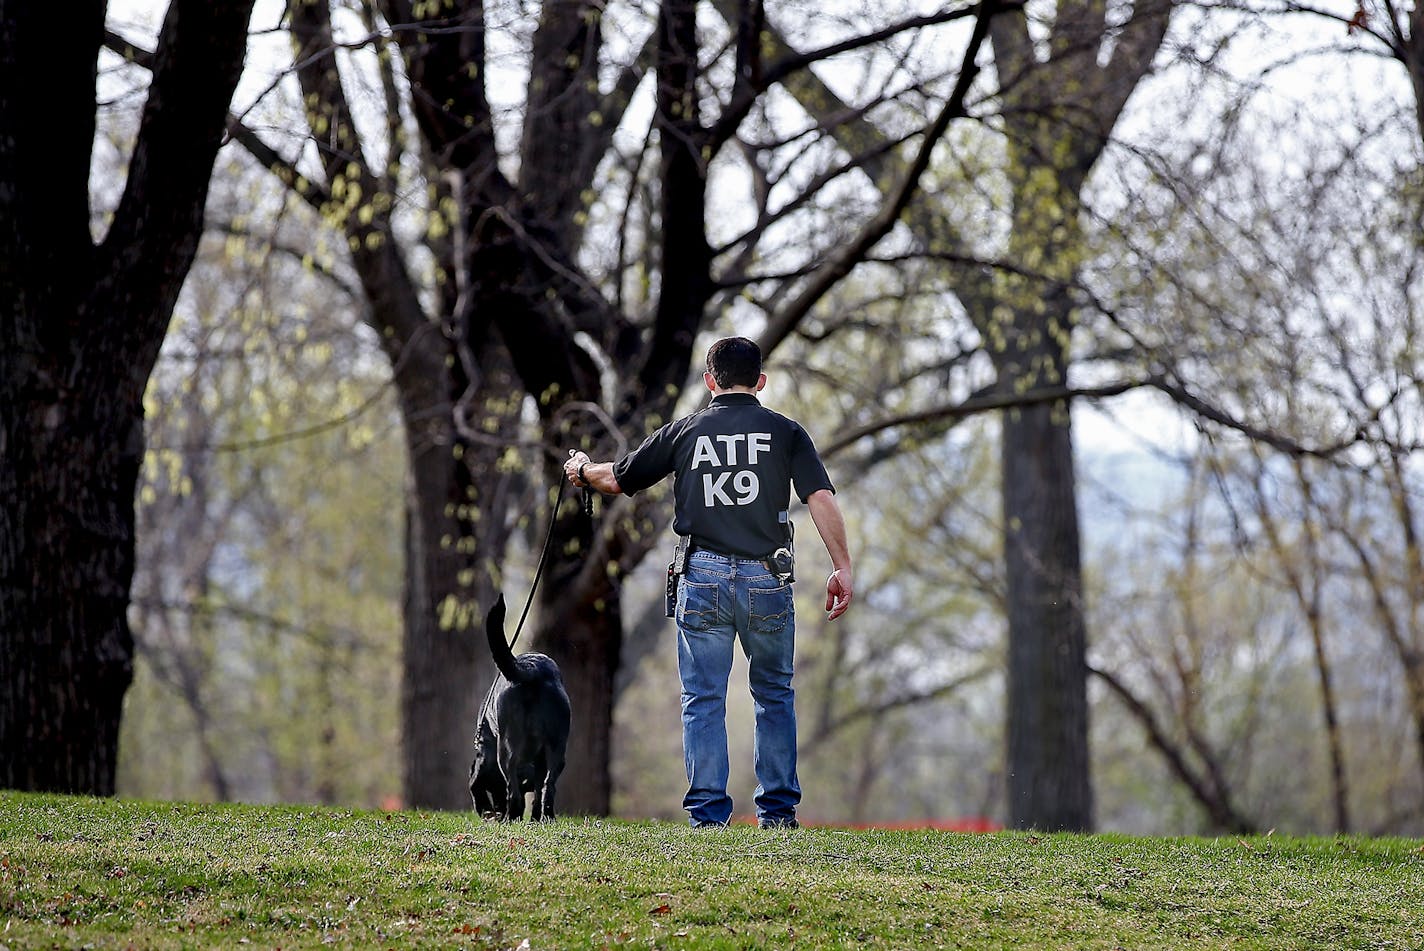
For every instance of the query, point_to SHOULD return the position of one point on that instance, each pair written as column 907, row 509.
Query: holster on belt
column 676, row 567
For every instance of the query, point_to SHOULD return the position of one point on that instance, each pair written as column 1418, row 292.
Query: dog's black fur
column 523, row 732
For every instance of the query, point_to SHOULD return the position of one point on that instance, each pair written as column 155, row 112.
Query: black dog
column 523, row 731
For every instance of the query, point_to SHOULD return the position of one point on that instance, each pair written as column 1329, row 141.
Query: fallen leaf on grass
column 663, row 909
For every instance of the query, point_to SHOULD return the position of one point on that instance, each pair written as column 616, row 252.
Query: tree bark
column 66, row 561
column 1049, row 785
column 79, row 335
column 442, row 672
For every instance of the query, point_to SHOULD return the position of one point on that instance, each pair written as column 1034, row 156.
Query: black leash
column 544, row 554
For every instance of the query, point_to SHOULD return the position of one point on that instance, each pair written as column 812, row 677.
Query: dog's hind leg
column 535, row 781
column 544, row 798
column 513, row 789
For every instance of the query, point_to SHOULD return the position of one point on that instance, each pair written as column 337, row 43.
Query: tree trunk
column 447, row 666
column 449, row 581
column 1049, row 784
column 66, row 560
column 1048, row 765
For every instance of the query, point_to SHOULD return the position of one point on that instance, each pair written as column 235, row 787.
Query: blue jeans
column 720, row 599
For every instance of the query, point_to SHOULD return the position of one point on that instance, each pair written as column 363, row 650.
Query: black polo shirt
column 735, row 463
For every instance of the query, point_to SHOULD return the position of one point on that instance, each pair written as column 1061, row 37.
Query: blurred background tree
column 266, row 608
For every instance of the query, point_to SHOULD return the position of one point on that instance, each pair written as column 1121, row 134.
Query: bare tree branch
column 1214, row 800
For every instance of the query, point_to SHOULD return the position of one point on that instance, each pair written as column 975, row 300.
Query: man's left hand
column 838, row 593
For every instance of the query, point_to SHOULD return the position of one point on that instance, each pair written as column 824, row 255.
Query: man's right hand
column 571, row 465
column 838, row 593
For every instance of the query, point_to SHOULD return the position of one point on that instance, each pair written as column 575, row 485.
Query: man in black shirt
column 734, row 465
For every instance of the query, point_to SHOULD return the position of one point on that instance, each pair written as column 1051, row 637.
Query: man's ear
column 761, row 382
column 709, row 380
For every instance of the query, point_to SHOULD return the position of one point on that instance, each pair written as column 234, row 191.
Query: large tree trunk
column 1411, row 51
column 446, row 666
column 66, row 561
column 79, row 334
column 1048, row 769
column 451, row 478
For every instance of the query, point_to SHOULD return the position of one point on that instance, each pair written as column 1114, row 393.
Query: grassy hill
column 78, row 872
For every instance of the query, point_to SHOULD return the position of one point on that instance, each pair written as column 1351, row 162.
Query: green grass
column 77, row 872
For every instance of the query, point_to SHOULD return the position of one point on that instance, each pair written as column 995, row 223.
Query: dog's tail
column 499, row 647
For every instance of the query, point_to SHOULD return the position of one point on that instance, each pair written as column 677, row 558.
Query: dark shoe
column 705, row 824
column 770, row 823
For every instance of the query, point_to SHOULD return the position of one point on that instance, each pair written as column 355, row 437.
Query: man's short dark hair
column 734, row 361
